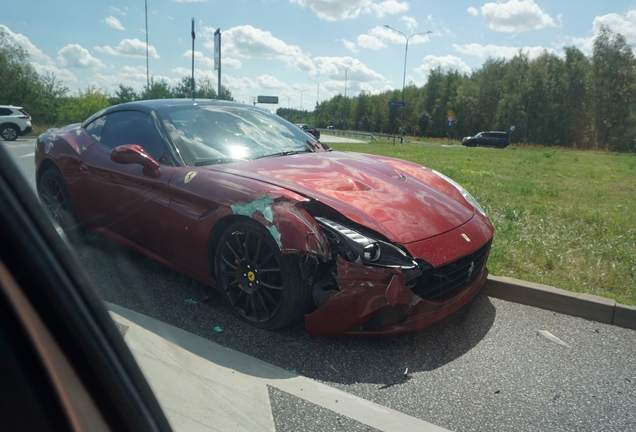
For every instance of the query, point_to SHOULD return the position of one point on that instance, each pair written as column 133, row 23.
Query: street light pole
column 318, row 92
column 301, row 98
column 346, row 68
column 525, row 133
column 406, row 51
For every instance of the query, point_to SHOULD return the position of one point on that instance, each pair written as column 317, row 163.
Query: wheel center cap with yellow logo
column 248, row 277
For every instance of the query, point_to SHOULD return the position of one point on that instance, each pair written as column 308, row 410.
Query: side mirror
column 134, row 154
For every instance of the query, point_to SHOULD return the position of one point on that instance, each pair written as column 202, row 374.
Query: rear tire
column 56, row 198
column 261, row 286
column 9, row 133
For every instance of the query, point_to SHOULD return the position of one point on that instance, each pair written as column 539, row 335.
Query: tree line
column 574, row 100
column 50, row 103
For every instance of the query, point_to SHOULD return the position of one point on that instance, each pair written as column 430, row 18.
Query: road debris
column 552, row 337
column 217, row 329
column 190, row 301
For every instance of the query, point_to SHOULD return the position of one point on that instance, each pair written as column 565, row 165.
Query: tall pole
column 193, row 36
column 346, row 69
column 318, row 92
column 217, row 58
column 147, row 69
column 301, row 98
column 525, row 133
column 406, row 51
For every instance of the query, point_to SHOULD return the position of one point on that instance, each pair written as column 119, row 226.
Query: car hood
column 370, row 192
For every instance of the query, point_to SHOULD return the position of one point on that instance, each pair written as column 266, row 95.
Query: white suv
column 14, row 122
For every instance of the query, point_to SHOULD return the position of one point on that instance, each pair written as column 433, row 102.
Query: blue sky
column 277, row 47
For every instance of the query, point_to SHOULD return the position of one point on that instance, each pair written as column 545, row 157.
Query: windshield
column 218, row 133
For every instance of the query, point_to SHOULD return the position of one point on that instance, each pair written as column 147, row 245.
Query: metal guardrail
column 362, row 134
column 343, row 132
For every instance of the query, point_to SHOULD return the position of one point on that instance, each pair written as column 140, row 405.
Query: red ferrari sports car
column 245, row 202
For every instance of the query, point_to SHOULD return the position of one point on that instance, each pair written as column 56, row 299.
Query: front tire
column 9, row 133
column 261, row 286
column 56, row 198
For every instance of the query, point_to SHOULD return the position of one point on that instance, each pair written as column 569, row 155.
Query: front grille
column 436, row 283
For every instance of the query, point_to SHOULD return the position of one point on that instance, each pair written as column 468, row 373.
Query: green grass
column 562, row 218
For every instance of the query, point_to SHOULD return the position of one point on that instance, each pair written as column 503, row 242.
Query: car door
column 128, row 199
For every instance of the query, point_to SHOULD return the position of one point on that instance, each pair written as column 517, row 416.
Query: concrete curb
column 586, row 306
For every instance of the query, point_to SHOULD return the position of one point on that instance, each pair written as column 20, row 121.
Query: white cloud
column 133, row 76
column 202, row 61
column 471, row 10
column 498, row 51
column 411, row 23
column 446, row 63
column 515, row 16
column 625, row 25
column 335, row 10
column 370, row 42
column 270, row 82
column 122, row 12
column 387, row 35
column 75, row 55
column 389, row 7
column 113, row 22
column 129, row 48
column 326, row 66
column 250, row 42
column 22, row 41
column 350, row 46
column 63, row 75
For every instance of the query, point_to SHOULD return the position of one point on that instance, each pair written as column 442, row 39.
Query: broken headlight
column 363, row 249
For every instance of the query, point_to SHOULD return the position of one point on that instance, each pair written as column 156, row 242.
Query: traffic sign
column 512, row 128
column 451, row 118
column 391, row 103
column 267, row 99
column 451, row 114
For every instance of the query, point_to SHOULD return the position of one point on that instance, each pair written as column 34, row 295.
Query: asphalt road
column 483, row 368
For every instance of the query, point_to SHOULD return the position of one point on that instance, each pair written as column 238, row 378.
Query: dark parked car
column 309, row 129
column 487, row 139
column 245, row 202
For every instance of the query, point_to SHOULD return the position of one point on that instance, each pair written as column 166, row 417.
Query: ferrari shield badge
column 463, row 235
column 189, row 176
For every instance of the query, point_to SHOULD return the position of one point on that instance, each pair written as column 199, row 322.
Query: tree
column 85, row 104
column 156, row 90
column 18, row 79
column 614, row 89
column 124, row 94
column 183, row 89
column 205, row 89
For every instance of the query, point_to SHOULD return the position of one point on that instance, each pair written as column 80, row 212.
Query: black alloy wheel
column 9, row 133
column 261, row 285
column 56, row 198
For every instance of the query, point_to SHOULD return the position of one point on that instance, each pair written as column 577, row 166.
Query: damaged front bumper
column 376, row 301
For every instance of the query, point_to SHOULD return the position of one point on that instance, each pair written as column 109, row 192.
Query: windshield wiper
column 217, row 161
column 284, row 153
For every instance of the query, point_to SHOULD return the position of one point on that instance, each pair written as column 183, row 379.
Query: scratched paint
column 264, row 205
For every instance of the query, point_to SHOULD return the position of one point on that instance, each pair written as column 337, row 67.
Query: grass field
column 563, row 218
